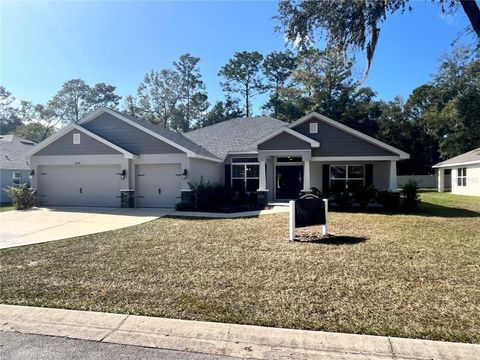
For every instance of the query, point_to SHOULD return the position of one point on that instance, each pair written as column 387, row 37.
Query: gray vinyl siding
column 209, row 171
column 65, row 146
column 283, row 141
column 336, row 142
column 6, row 179
column 127, row 136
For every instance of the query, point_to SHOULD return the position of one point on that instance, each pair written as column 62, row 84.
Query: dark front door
column 289, row 181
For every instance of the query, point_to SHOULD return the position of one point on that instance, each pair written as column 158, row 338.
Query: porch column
column 306, row 175
column 441, row 180
column 393, row 176
column 263, row 176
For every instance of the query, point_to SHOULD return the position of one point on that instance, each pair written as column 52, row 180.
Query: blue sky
column 44, row 44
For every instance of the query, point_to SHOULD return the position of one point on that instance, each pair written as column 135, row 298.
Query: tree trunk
column 247, row 101
column 473, row 12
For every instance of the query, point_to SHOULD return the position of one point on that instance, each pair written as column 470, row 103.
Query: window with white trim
column 462, row 177
column 347, row 176
column 313, row 128
column 16, row 178
column 245, row 174
column 76, row 138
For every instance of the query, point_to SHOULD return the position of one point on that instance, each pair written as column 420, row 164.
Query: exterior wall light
column 32, row 172
column 122, row 174
column 184, row 174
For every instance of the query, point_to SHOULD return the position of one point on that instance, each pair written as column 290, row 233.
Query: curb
column 243, row 341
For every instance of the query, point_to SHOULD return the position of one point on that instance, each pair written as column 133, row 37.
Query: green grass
column 6, row 207
column 412, row 275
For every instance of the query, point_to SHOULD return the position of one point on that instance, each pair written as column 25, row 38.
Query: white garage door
column 158, row 185
column 79, row 185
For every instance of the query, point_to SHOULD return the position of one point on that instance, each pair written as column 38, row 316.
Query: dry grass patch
column 413, row 276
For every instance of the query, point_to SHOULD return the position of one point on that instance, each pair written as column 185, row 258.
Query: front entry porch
column 285, row 177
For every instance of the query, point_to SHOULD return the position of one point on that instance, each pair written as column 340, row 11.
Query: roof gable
column 89, row 142
column 338, row 139
column 172, row 139
column 285, row 138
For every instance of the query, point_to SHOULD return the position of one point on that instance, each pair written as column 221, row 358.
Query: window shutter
column 228, row 176
column 325, row 177
column 369, row 174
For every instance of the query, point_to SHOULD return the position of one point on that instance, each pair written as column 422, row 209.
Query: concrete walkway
column 24, row 227
column 215, row 215
column 234, row 340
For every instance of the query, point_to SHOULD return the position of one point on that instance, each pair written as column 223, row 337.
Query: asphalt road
column 16, row 346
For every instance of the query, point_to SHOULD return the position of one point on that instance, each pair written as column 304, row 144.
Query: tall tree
column 130, row 106
column 353, row 25
column 76, row 98
column 34, row 131
column 243, row 76
column 193, row 97
column 9, row 112
column 159, row 95
column 278, row 67
column 102, row 94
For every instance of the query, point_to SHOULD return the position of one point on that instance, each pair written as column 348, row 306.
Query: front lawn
column 6, row 207
column 400, row 275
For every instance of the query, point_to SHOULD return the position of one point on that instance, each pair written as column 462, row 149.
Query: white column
column 263, row 176
column 393, row 176
column 441, row 180
column 306, row 175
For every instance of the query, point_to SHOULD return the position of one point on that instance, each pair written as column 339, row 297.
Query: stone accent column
column 262, row 197
column 127, row 198
column 187, row 196
column 306, row 176
column 441, row 180
column 392, row 179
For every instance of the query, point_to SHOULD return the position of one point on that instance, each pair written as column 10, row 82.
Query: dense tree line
column 438, row 120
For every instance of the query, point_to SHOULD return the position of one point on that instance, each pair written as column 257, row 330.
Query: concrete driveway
column 19, row 228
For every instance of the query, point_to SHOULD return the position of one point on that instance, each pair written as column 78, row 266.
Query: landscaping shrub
column 22, row 196
column 341, row 196
column 208, row 196
column 320, row 194
column 389, row 200
column 410, row 195
column 364, row 195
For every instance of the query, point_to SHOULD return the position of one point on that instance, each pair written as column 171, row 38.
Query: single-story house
column 112, row 159
column 14, row 169
column 465, row 173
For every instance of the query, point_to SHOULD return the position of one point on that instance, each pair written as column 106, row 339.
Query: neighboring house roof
column 13, row 150
column 66, row 129
column 173, row 138
column 470, row 157
column 234, row 135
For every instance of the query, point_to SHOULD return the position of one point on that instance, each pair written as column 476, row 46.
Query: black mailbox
column 309, row 210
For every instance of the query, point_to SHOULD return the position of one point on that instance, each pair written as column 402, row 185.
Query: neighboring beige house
column 465, row 173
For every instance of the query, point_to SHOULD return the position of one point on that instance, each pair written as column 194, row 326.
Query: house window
column 76, row 139
column 462, row 177
column 16, row 178
column 347, row 176
column 313, row 128
column 245, row 174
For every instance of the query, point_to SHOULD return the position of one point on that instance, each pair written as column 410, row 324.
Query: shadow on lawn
column 331, row 239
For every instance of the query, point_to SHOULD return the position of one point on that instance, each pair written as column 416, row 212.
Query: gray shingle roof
column 468, row 157
column 176, row 137
column 12, row 150
column 235, row 134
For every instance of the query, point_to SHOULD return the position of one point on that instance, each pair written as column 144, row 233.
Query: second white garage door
column 158, row 185
column 79, row 185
